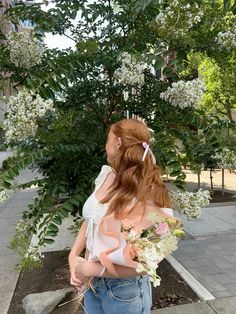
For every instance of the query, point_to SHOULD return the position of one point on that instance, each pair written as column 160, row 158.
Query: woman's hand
column 74, row 281
column 80, row 270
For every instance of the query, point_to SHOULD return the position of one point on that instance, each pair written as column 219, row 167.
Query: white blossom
column 22, row 226
column 190, row 203
column 23, row 111
column 184, row 93
column 148, row 259
column 3, row 196
column 156, row 280
column 25, row 50
column 226, row 40
column 178, row 18
column 140, row 268
column 131, row 72
column 33, row 253
column 168, row 244
column 154, row 218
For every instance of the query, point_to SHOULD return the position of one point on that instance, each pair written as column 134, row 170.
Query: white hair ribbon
column 148, row 149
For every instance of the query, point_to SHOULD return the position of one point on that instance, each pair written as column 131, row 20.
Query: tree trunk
column 198, row 180
column 228, row 111
column 223, row 181
column 211, row 179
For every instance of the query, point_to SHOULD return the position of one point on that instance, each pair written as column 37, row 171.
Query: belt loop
column 102, row 281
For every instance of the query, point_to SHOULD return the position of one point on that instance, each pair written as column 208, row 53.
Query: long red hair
column 135, row 179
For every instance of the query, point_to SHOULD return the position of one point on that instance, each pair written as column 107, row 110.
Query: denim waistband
column 98, row 281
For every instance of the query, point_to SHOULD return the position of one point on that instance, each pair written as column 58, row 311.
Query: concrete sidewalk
column 219, row 306
column 10, row 213
column 209, row 253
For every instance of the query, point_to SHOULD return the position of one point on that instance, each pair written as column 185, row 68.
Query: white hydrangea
column 178, row 17
column 148, row 262
column 184, row 93
column 168, row 244
column 226, row 159
column 190, row 203
column 226, row 40
column 3, row 196
column 23, row 111
column 131, row 72
column 25, row 50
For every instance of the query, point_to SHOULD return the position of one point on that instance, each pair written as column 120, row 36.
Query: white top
column 93, row 211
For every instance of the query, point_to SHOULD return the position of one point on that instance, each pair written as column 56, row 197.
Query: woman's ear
column 118, row 142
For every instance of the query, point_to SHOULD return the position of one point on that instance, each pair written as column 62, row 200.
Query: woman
column 130, row 188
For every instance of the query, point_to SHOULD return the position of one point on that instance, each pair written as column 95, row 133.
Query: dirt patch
column 218, row 197
column 55, row 275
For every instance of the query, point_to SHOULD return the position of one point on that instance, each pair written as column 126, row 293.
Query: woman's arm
column 76, row 250
column 86, row 269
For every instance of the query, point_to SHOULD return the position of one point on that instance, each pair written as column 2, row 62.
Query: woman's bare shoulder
column 162, row 211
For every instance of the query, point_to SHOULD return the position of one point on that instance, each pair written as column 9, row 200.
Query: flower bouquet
column 151, row 245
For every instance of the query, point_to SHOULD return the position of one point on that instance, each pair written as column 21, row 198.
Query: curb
column 219, row 204
column 197, row 287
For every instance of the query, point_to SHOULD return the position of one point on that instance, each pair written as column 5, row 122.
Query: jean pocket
column 127, row 292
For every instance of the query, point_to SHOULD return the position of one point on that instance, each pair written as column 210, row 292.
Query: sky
column 57, row 41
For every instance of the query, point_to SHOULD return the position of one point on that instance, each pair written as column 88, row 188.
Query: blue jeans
column 131, row 295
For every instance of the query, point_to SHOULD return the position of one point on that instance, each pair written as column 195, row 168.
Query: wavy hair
column 135, row 179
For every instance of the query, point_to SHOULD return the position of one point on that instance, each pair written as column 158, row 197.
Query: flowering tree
column 25, row 50
column 23, row 112
column 126, row 60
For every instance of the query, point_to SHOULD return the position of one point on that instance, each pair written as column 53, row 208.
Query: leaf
column 57, row 220
column 48, row 241
column 75, row 202
column 45, row 220
column 73, row 14
column 63, row 213
column 53, row 84
column 51, row 233
column 227, row 4
column 159, row 63
column 141, row 6
column 53, row 227
column 44, row 92
column 175, row 173
column 234, row 8
column 68, row 206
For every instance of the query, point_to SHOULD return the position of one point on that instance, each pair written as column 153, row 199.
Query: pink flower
column 162, row 228
column 126, row 224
